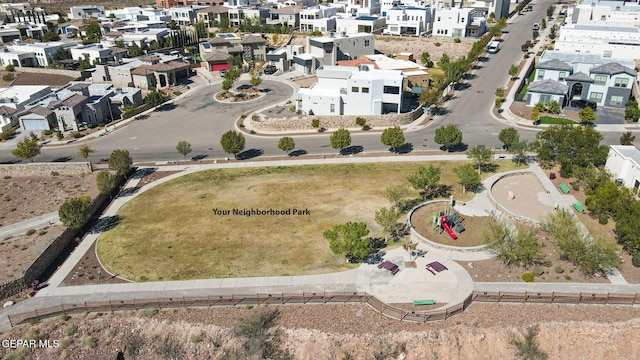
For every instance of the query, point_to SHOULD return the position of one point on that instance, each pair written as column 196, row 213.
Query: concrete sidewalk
column 35, row 223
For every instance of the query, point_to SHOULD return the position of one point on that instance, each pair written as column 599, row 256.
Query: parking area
column 606, row 116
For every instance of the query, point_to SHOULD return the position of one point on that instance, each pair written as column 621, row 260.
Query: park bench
column 578, row 207
column 424, row 302
column 564, row 188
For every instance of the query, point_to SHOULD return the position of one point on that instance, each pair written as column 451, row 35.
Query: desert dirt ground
column 530, row 199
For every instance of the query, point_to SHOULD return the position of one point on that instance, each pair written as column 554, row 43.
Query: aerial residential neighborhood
column 298, row 179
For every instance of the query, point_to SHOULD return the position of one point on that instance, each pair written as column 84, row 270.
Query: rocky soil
column 343, row 332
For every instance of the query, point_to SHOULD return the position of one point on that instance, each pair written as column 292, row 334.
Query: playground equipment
column 445, row 221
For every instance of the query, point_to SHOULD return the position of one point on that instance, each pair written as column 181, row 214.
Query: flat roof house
column 623, row 162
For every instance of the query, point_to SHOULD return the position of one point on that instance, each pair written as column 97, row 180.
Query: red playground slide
column 446, row 227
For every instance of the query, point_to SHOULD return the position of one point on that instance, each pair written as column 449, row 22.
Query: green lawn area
column 170, row 232
column 523, row 91
column 555, row 121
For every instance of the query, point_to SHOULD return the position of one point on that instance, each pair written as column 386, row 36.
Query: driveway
column 606, row 116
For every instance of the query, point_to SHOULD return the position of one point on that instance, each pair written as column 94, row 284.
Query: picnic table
column 389, row 266
column 564, row 188
column 578, row 207
column 424, row 302
column 436, row 267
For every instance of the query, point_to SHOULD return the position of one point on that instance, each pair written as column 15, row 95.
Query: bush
column 75, row 134
column 177, row 93
column 559, row 269
column 498, row 102
column 30, row 232
column 500, row 92
column 47, row 132
column 7, row 134
column 456, row 40
column 10, row 68
column 538, row 271
column 8, row 77
column 101, row 124
column 42, row 232
column 528, row 277
column 437, row 44
column 635, row 259
column 546, row 262
column 575, row 186
column 565, row 172
column 54, row 173
column 315, row 123
column 59, row 135
column 147, row 312
column 70, row 330
column 292, row 108
column 603, row 219
column 88, row 341
column 567, row 277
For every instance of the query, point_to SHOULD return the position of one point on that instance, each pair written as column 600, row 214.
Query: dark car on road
column 270, row 69
column 581, row 104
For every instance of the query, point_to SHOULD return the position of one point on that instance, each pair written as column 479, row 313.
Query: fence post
column 635, row 297
column 553, row 296
column 525, row 297
column 606, row 299
column 110, row 307
column 498, row 297
column 579, row 298
column 282, row 298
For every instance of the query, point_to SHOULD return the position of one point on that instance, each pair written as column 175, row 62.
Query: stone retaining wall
column 506, row 211
column 303, row 122
column 45, row 169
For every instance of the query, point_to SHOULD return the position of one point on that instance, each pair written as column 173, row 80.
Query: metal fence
column 233, row 300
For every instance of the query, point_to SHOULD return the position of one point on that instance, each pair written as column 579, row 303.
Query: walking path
column 35, row 223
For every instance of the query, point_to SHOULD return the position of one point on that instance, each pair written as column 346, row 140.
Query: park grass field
column 171, row 232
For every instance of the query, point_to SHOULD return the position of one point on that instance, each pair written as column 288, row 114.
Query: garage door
column 34, row 124
column 218, row 67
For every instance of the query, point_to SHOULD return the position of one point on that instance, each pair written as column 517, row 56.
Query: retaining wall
column 45, row 169
column 303, row 122
column 72, row 73
column 510, row 213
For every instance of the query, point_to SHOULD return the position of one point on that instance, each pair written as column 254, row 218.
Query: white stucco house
column 405, row 20
column 328, row 50
column 621, row 42
column 347, row 90
column 623, row 163
column 318, row 18
column 458, row 23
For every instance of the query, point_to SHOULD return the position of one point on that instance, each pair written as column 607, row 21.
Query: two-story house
column 346, row 90
column 565, row 76
column 404, row 20
column 360, row 24
column 96, row 53
column 327, row 50
column 318, row 18
column 86, row 12
column 212, row 15
column 458, row 23
column 285, row 16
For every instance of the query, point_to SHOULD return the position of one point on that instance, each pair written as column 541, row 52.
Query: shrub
column 88, row 341
column 70, row 330
column 603, row 219
column 500, row 92
column 456, row 40
column 8, row 77
column 6, row 177
column 565, row 172
column 65, row 317
column 360, row 121
column 437, row 44
column 567, row 277
column 559, row 269
column 54, row 173
column 177, row 93
column 528, row 277
column 292, row 108
column 47, row 132
column 498, row 102
column 59, row 135
column 546, row 262
column 147, row 312
column 7, row 134
column 30, row 232
column 75, row 134
column 10, row 68
column 538, row 271
column 101, row 124
column 315, row 123
column 635, row 259
column 575, row 186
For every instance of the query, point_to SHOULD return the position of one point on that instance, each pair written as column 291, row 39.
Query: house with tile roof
column 37, row 118
column 7, row 118
column 212, row 15
column 566, row 76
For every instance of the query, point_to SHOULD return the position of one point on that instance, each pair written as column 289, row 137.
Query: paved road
column 200, row 120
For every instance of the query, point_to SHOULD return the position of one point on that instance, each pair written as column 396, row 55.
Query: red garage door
column 218, row 67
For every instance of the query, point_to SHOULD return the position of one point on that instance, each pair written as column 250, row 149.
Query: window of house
column 636, row 185
column 540, row 74
column 332, row 108
column 562, row 75
column 616, row 100
column 354, row 89
column 438, row 18
column 366, row 43
column 607, row 54
column 365, row 90
column 622, row 82
column 595, row 96
column 545, row 98
column 600, row 80
column 391, row 90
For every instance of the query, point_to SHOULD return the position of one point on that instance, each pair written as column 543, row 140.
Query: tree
column 74, row 212
column 50, row 36
column 628, row 228
column 349, row 239
column 286, row 144
column 481, row 157
column 428, row 181
column 609, row 198
column 425, row 57
column 553, row 32
column 27, row 149
column 84, row 151
column 519, row 149
column 393, row 137
column 631, row 111
column 231, row 76
column 93, row 31
column 448, row 136
column 512, row 246
column 444, row 61
column 134, row 50
column 155, row 98
column 340, row 139
column 627, row 138
column 468, row 177
column 513, row 70
column 227, row 84
column 386, row 217
column 232, row 143
column 495, row 31
column 535, row 114
column 550, row 11
column 508, row 137
column 184, row 149
column 543, row 24
column 570, row 146
column 201, row 29
column 500, row 92
column 429, row 96
column 396, row 193
column 410, row 247
column 587, row 115
column 120, row 161
column 105, row 181
column 61, row 54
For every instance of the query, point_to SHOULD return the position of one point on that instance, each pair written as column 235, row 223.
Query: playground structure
column 446, row 220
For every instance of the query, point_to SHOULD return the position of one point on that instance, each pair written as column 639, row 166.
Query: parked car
column 581, row 104
column 535, row 26
column 270, row 69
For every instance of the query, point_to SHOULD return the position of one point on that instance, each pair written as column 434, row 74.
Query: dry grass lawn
column 171, row 232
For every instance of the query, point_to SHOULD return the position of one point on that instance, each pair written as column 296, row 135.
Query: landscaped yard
column 172, row 232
